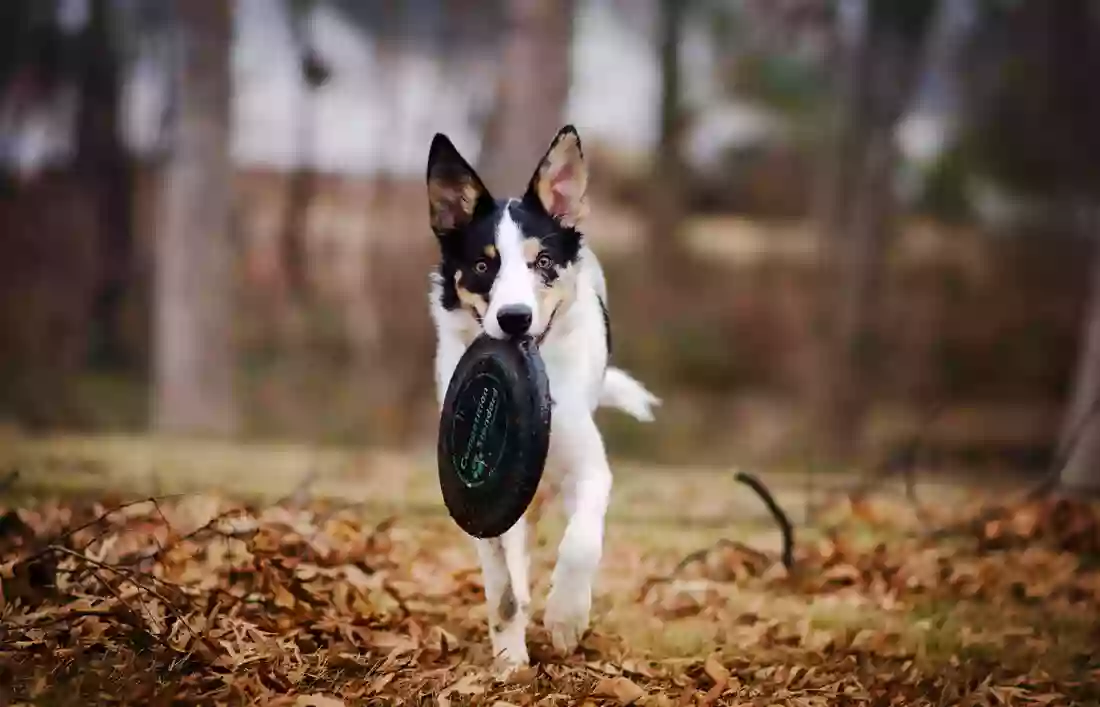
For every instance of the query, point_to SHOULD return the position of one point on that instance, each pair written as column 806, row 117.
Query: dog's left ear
column 560, row 183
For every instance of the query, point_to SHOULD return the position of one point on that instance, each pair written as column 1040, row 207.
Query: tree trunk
column 193, row 308
column 103, row 164
column 881, row 67
column 1080, row 438
column 666, row 201
column 532, row 94
column 302, row 182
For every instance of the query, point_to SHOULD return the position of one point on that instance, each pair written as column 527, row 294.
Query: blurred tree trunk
column 193, row 387
column 49, row 228
column 1080, row 439
column 881, row 65
column 666, row 203
column 532, row 93
column 1074, row 36
column 1074, row 39
column 103, row 164
column 302, row 187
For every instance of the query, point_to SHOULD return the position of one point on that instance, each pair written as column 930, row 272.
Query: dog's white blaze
column 515, row 283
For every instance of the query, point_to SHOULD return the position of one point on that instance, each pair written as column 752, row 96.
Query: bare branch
column 780, row 517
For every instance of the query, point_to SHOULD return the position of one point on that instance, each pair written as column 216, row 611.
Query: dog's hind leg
column 504, row 568
column 586, row 491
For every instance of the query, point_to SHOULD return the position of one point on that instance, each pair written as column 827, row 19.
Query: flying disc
column 494, row 433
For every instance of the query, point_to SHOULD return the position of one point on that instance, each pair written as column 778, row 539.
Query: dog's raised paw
column 566, row 618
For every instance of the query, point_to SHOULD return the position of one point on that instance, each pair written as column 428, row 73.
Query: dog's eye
column 481, row 267
column 543, row 262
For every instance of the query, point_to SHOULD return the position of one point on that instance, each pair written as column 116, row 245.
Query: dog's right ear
column 455, row 192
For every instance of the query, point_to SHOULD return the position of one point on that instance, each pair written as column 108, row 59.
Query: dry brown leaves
column 199, row 601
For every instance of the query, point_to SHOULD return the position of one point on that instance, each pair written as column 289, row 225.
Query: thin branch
column 1044, row 486
column 700, row 555
column 780, row 517
column 300, row 494
column 133, row 577
column 905, row 460
column 55, row 541
column 9, row 480
column 207, row 527
column 130, row 617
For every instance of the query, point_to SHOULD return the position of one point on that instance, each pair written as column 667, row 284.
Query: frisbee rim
column 491, row 507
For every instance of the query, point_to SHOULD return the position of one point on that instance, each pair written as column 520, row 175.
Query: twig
column 700, row 555
column 130, row 617
column 162, row 549
column 67, row 615
column 780, row 517
column 1045, row 485
column 300, row 494
column 9, row 480
column 777, row 513
column 164, row 519
column 905, row 460
column 292, row 498
column 55, row 542
column 392, row 592
column 132, row 577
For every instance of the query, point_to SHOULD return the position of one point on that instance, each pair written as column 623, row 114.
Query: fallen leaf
column 318, row 700
column 717, row 672
column 623, row 689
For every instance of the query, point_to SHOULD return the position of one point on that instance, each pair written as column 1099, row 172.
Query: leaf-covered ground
column 197, row 599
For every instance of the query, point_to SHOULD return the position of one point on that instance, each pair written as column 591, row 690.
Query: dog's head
column 510, row 262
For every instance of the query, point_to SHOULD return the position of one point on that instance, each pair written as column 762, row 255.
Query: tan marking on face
column 452, row 203
column 470, row 299
column 531, row 249
column 556, row 294
column 491, row 250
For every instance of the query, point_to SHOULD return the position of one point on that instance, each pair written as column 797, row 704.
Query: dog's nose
column 514, row 319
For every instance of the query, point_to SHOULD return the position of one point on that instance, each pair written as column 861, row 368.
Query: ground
column 286, row 575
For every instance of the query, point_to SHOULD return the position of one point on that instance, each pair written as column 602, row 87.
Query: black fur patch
column 467, row 251
column 508, row 605
column 606, row 324
column 561, row 245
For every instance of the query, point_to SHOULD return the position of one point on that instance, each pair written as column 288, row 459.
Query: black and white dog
column 510, row 267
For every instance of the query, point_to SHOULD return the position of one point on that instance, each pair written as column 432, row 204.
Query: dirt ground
column 269, row 574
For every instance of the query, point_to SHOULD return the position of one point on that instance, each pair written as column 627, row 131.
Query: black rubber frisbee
column 494, row 433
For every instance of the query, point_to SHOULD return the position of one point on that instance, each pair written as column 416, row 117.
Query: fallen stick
column 780, row 517
column 9, row 480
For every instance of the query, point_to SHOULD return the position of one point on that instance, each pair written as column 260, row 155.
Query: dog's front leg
column 504, row 563
column 585, row 492
column 507, row 595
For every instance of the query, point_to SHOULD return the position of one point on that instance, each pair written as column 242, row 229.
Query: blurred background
column 829, row 227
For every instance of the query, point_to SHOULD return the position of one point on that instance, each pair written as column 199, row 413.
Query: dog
column 515, row 267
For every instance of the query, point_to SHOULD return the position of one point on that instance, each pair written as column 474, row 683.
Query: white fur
column 515, row 283
column 575, row 354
